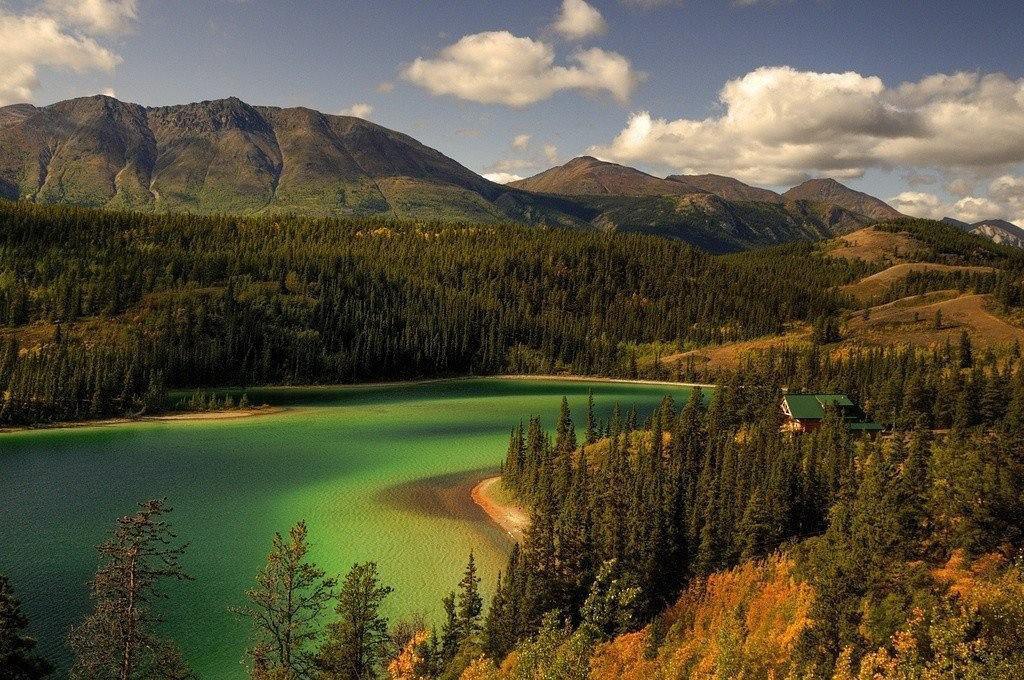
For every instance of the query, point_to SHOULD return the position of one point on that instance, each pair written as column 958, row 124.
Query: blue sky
column 671, row 60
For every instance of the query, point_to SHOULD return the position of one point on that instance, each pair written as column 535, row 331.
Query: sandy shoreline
column 268, row 410
column 599, row 379
column 232, row 414
column 513, row 518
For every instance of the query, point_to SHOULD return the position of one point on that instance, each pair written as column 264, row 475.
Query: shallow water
column 373, row 471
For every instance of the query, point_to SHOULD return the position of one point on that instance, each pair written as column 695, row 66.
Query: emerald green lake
column 378, row 473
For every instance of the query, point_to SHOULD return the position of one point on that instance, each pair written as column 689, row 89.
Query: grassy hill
column 911, row 283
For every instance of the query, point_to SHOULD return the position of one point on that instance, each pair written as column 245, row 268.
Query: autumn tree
column 285, row 605
column 119, row 638
column 357, row 642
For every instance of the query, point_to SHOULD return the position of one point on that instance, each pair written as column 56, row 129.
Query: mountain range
column 999, row 231
column 227, row 156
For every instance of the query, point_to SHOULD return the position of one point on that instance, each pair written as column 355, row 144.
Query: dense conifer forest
column 696, row 541
column 101, row 312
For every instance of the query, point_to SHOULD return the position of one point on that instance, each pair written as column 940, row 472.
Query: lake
column 378, row 473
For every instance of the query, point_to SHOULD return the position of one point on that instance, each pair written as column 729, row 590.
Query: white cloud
column 109, row 92
column 551, row 153
column 502, row 177
column 521, row 141
column 28, row 42
column 920, row 204
column 1003, row 199
column 780, row 125
column 578, row 20
column 385, row 87
column 360, row 110
column 96, row 16
column 497, row 67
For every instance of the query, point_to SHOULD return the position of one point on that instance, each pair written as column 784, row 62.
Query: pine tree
column 357, row 641
column 119, row 638
column 18, row 658
column 470, row 603
column 285, row 607
column 591, row 433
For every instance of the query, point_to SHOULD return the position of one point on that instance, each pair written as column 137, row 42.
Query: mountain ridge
column 227, row 156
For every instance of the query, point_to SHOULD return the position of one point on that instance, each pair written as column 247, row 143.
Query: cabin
column 805, row 412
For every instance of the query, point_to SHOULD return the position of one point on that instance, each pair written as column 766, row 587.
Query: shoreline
column 270, row 410
column 234, row 414
column 600, row 379
column 512, row 518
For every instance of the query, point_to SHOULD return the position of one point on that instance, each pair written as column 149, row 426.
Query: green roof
column 812, row 406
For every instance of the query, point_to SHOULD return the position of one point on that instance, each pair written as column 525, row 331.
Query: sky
column 919, row 102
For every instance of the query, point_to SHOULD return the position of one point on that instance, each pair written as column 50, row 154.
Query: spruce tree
column 18, row 658
column 357, row 641
column 470, row 603
column 285, row 606
column 119, row 638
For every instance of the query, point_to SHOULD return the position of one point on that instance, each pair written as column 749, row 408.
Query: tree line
column 101, row 312
column 628, row 513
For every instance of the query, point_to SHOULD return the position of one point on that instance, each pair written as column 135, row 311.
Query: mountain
column 1000, row 231
column 715, row 212
column 829, row 191
column 229, row 156
column 588, row 176
column 727, row 187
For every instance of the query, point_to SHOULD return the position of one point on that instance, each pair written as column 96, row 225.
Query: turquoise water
column 336, row 457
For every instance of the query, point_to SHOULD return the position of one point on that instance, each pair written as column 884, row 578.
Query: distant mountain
column 832, row 192
column 229, row 156
column 1000, row 231
column 727, row 187
column 962, row 226
column 588, row 176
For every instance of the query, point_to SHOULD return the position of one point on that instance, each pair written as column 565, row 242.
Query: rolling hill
column 912, row 282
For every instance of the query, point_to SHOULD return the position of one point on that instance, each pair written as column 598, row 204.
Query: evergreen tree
column 18, row 658
column 119, row 639
column 470, row 603
column 285, row 607
column 357, row 641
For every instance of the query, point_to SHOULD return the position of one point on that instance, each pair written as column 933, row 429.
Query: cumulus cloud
column 96, row 16
column 497, row 67
column 578, row 20
column 28, row 42
column 1003, row 198
column 551, row 153
column 502, row 177
column 780, row 125
column 385, row 87
column 360, row 110
column 521, row 141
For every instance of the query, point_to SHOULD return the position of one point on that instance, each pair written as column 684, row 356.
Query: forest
column 102, row 312
column 695, row 541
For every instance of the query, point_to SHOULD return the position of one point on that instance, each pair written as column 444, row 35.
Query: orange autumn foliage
column 403, row 666
column 623, row 658
column 743, row 622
